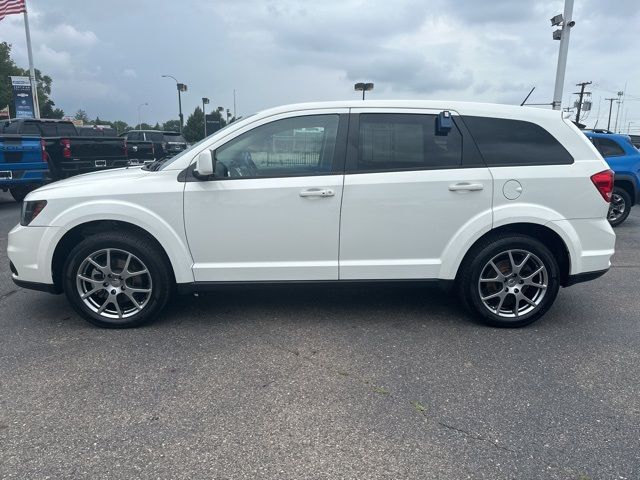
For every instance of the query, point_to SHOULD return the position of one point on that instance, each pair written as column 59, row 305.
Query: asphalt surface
column 341, row 382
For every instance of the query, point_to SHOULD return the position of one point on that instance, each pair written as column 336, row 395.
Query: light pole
column 205, row 101
column 364, row 87
column 145, row 104
column 182, row 87
column 563, row 35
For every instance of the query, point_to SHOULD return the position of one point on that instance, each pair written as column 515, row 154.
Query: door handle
column 464, row 186
column 317, row 192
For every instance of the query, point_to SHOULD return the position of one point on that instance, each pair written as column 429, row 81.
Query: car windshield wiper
column 153, row 166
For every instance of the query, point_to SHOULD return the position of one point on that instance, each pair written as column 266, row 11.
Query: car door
column 272, row 211
column 410, row 189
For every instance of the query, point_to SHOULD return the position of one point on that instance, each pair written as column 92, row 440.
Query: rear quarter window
column 505, row 142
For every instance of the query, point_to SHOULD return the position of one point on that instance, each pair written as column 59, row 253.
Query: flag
column 9, row 7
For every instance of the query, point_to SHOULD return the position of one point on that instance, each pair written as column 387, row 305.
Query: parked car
column 624, row 159
column 504, row 204
column 166, row 144
column 65, row 150
column 23, row 164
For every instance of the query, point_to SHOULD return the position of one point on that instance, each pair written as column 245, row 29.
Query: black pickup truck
column 67, row 151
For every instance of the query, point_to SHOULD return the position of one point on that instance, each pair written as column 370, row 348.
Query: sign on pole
column 22, row 97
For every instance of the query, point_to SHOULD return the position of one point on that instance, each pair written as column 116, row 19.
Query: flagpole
column 32, row 71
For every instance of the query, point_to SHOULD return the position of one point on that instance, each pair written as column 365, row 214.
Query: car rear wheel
column 509, row 281
column 117, row 281
column 620, row 206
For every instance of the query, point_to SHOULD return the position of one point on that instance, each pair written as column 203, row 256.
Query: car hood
column 107, row 179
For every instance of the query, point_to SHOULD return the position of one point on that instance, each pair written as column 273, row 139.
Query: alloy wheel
column 114, row 283
column 617, row 207
column 513, row 283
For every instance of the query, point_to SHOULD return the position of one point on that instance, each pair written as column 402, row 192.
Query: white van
column 504, row 203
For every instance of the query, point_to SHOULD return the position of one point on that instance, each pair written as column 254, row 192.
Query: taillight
column 43, row 151
column 604, row 183
column 125, row 149
column 153, row 150
column 164, row 146
column 66, row 147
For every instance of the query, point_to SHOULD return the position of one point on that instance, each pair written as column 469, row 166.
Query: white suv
column 506, row 204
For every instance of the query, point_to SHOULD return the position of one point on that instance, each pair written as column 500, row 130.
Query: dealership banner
column 22, row 97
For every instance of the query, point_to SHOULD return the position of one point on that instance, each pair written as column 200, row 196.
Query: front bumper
column 30, row 250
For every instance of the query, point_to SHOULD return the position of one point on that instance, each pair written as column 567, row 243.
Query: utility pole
column 563, row 35
column 615, row 128
column 581, row 94
column 32, row 71
column 610, row 100
column 205, row 101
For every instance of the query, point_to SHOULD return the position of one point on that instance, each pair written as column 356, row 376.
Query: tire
column 18, row 193
column 511, row 285
column 620, row 206
column 112, row 303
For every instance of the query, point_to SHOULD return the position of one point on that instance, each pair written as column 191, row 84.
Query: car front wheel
column 117, row 280
column 510, row 281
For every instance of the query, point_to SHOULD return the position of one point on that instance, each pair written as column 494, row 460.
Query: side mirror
column 205, row 164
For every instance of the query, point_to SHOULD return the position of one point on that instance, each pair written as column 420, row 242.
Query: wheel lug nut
column 123, row 287
column 105, row 284
column 113, row 292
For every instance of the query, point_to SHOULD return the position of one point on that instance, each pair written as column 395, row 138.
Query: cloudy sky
column 108, row 57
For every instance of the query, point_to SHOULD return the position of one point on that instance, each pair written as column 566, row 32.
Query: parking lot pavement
column 341, row 382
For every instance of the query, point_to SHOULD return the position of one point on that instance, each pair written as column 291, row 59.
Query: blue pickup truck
column 624, row 159
column 23, row 164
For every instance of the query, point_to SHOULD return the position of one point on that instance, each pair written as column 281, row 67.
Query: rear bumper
column 584, row 277
column 590, row 242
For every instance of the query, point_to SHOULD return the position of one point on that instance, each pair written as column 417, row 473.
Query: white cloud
column 129, row 73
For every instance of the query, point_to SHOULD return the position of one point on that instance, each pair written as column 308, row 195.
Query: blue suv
column 624, row 160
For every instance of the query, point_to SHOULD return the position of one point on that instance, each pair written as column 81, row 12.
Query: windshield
column 169, row 161
column 173, row 137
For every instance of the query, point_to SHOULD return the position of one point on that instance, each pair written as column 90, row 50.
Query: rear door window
column 390, row 141
column 504, row 142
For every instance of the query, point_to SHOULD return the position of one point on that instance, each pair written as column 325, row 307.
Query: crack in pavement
column 8, row 294
column 387, row 392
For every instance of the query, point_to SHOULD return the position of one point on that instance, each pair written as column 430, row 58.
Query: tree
column 194, row 129
column 120, row 126
column 171, row 125
column 82, row 115
column 9, row 68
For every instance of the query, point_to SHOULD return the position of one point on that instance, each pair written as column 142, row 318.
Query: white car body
column 370, row 226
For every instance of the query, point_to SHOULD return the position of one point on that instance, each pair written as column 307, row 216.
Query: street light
column 364, row 87
column 182, row 87
column 205, row 101
column 145, row 104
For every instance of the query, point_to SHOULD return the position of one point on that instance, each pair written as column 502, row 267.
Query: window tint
column 30, row 128
column 133, row 135
column 66, row 129
column 173, row 137
column 58, row 129
column 11, row 127
column 505, row 142
column 608, row 148
column 406, row 142
column 154, row 136
column 290, row 147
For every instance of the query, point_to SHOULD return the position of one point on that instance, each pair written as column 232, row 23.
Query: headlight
column 31, row 210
